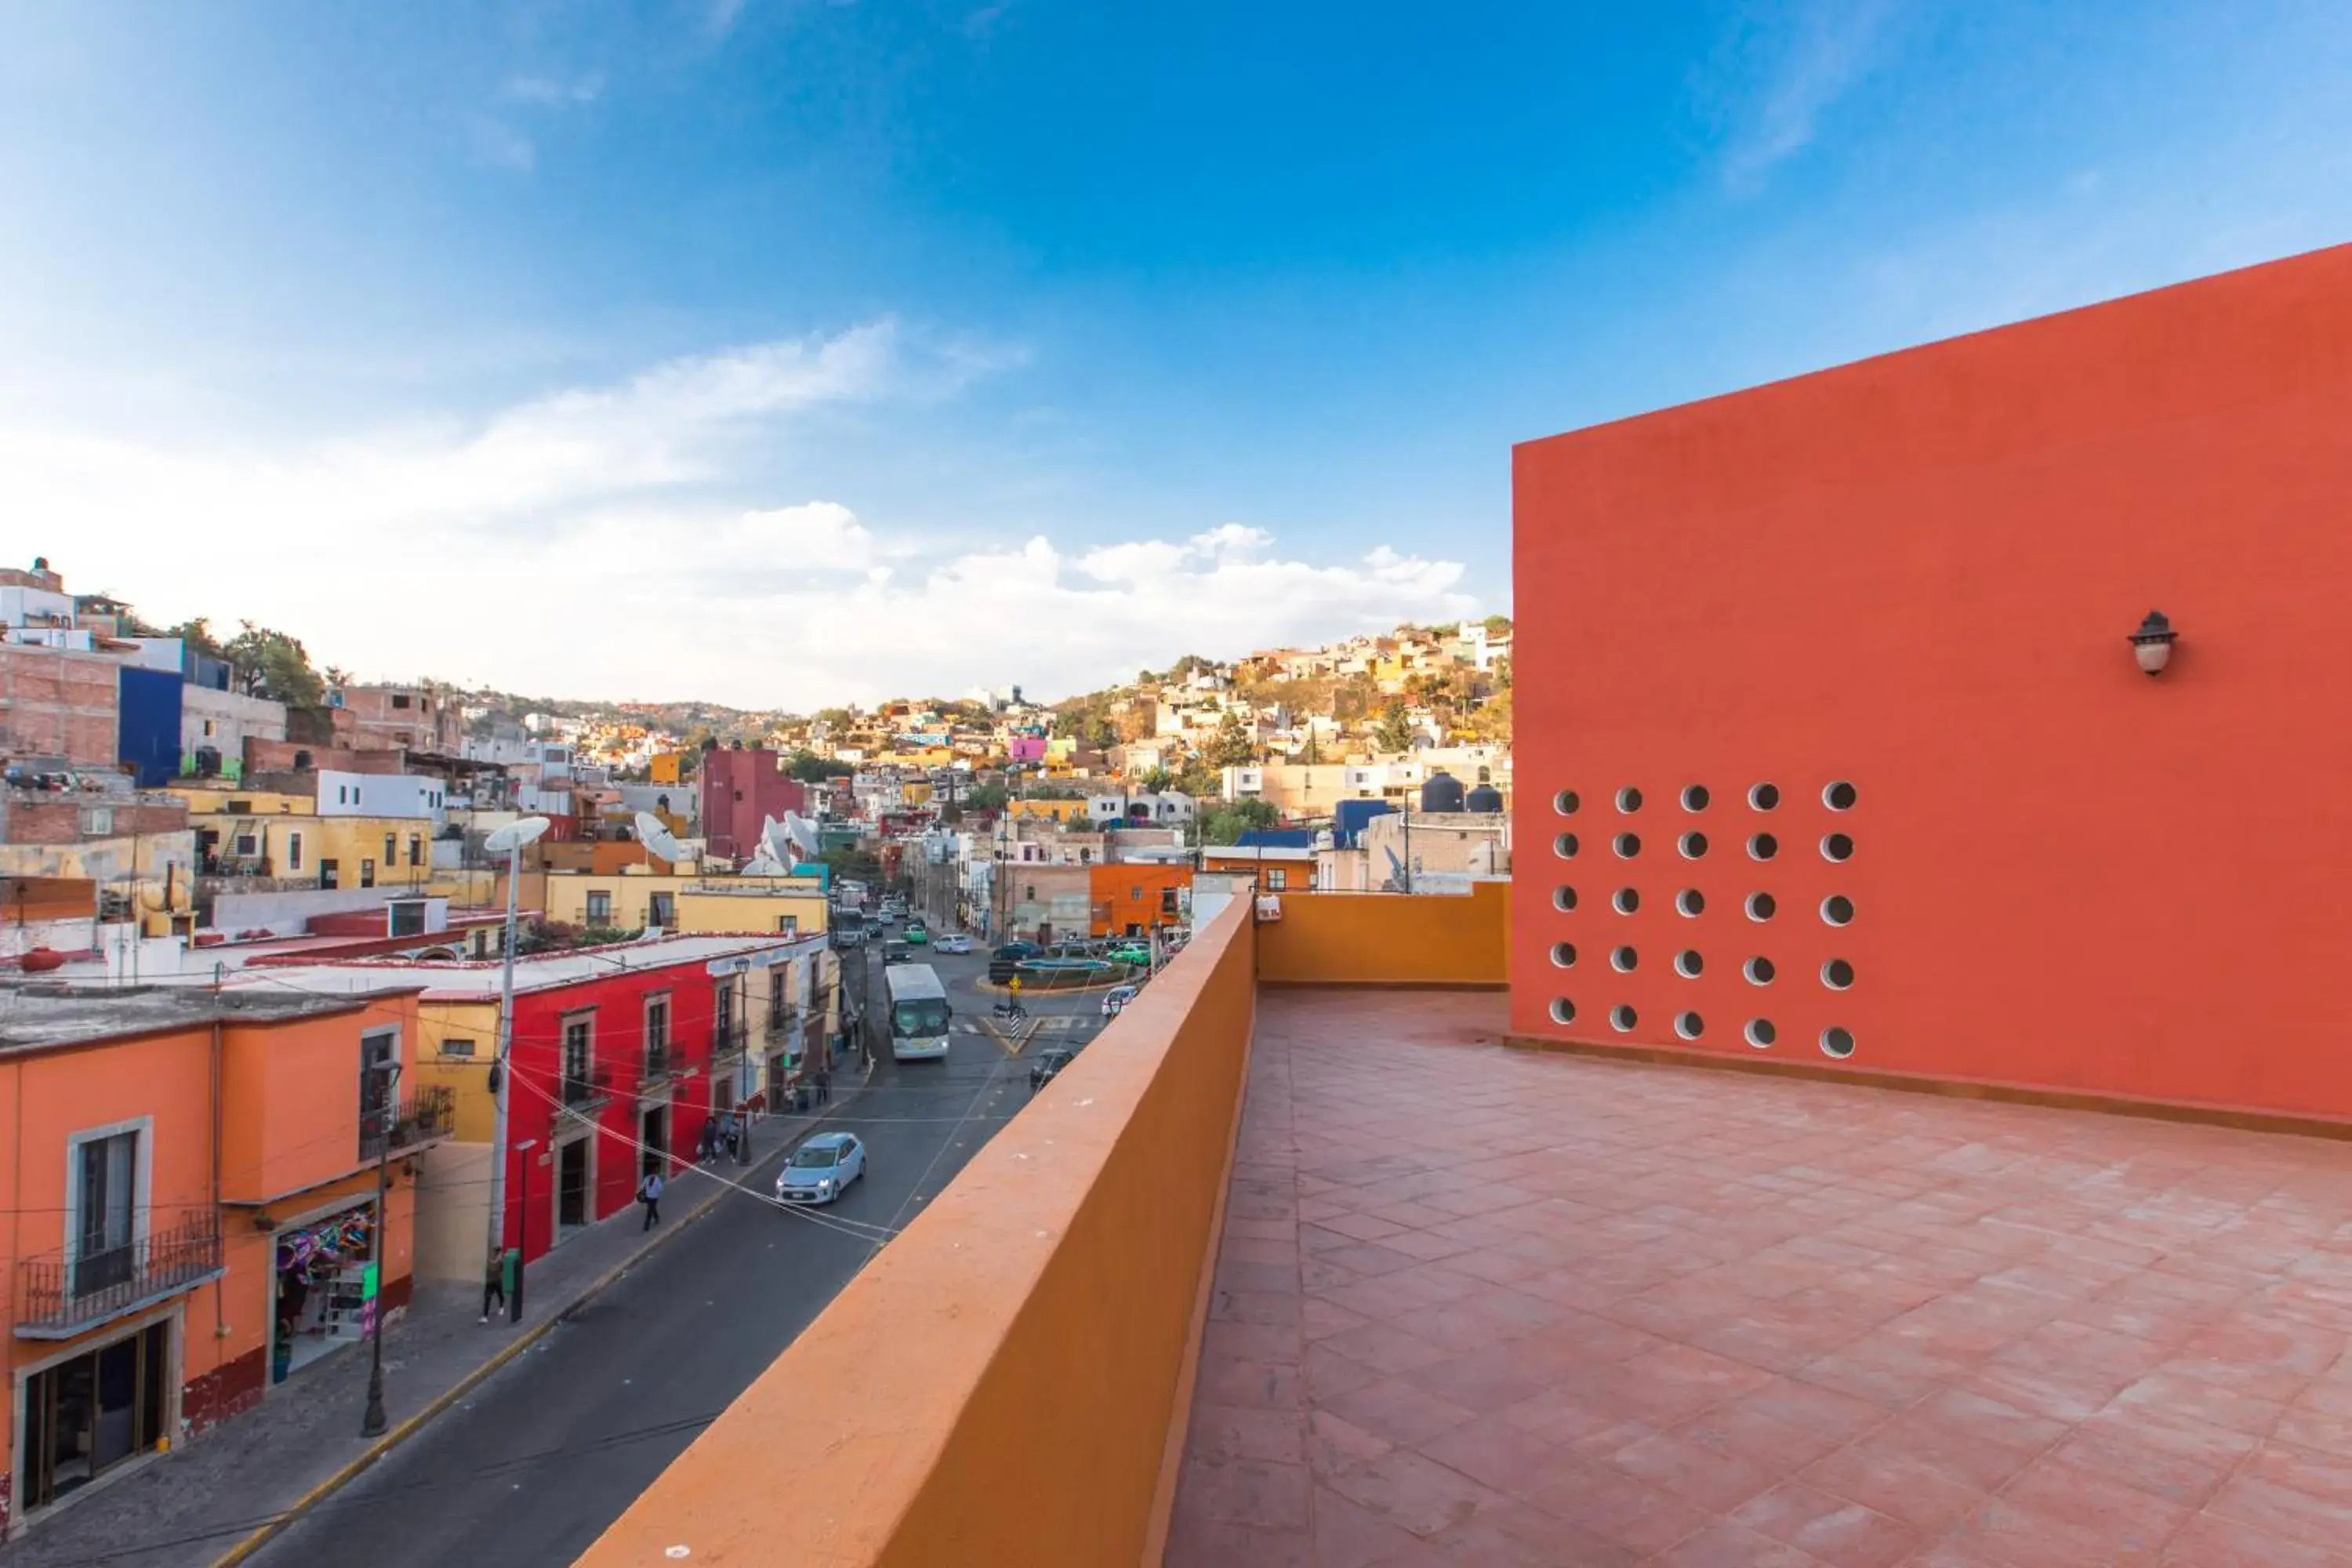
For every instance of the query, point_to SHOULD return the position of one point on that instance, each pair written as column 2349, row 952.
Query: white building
column 380, row 794
column 221, row 722
column 1164, row 809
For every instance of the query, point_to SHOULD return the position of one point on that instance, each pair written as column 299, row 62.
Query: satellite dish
column 658, row 839
column 515, row 835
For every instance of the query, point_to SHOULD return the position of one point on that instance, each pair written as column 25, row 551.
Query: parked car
column 1047, row 1064
column 1130, row 953
column 821, row 1170
column 1116, row 999
column 952, row 944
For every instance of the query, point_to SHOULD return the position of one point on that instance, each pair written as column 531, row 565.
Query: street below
column 532, row 1466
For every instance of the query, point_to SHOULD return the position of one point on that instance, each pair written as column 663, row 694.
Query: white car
column 951, row 944
column 821, row 1170
column 1116, row 999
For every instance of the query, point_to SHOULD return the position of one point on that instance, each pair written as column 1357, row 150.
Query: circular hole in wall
column 1563, row 899
column 1627, row 845
column 1762, row 906
column 1837, row 1042
column 1690, row 901
column 1565, row 802
column 1838, row 796
column 1622, row 1018
column 1836, row 847
column 1689, row 1026
column 1693, row 845
column 1695, row 797
column 1629, row 799
column 1563, row 1011
column 1688, row 963
column 1563, row 954
column 1764, row 797
column 1624, row 960
column 1626, row 901
column 1759, row 971
column 1837, row 975
column 1761, row 1032
column 1762, row 847
column 1565, row 846
column 1837, row 910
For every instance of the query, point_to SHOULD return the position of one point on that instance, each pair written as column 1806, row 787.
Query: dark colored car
column 1016, row 951
column 894, row 951
column 1048, row 1063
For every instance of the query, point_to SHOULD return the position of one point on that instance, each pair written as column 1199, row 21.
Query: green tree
column 198, row 634
column 1233, row 745
column 809, row 768
column 1497, row 624
column 1394, row 731
column 1226, row 824
column 1199, row 780
column 985, row 797
column 1155, row 780
column 276, row 663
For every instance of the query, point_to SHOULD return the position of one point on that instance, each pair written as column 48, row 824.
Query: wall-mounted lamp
column 2152, row 644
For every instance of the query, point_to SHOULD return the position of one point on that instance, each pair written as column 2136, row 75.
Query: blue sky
column 785, row 352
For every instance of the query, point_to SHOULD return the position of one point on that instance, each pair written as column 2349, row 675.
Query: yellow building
column 685, row 904
column 1061, row 811
column 302, row 845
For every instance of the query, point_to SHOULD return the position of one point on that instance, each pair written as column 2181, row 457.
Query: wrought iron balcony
column 661, row 1061
column 584, row 1092
column 728, row 1042
column 62, row 1295
column 423, row 1117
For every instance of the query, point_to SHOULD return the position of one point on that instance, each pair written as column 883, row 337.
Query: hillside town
column 384, row 935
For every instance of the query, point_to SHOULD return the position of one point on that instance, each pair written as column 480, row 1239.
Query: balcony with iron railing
column 60, row 1295
column 729, row 1041
column 584, row 1092
column 424, row 1116
column 662, row 1060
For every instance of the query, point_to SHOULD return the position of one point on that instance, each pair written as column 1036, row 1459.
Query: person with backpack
column 650, row 1192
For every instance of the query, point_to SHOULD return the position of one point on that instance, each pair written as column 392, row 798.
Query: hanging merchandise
column 319, row 1287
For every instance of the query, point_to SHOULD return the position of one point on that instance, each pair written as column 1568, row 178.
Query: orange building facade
column 1833, row 747
column 190, row 1211
column 1135, row 898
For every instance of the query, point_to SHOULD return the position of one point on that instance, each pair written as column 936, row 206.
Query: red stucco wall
column 1916, row 575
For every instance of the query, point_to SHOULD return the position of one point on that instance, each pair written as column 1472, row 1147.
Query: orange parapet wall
column 1833, row 747
column 1001, row 1384
column 1388, row 939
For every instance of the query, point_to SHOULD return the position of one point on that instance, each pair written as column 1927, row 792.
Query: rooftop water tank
column 1442, row 793
column 1484, row 797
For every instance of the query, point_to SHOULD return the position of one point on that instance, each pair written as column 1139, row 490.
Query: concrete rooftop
column 1475, row 1305
column 41, row 1014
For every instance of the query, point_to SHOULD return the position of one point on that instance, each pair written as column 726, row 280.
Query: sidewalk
column 203, row 1504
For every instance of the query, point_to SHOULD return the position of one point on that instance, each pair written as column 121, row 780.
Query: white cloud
column 499, row 145
column 595, row 540
column 1782, row 69
column 551, row 92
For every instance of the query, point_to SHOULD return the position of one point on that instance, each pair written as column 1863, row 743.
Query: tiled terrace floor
column 1483, row 1306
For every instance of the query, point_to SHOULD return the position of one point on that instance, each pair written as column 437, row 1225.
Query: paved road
column 531, row 1468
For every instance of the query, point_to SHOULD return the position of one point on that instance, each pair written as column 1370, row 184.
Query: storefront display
column 321, row 1286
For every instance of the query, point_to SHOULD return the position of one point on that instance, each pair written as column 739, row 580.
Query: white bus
column 918, row 1012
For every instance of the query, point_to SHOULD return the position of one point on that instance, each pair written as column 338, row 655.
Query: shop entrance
column 86, row 1415
column 653, row 1138
column 318, row 1288
column 573, row 1209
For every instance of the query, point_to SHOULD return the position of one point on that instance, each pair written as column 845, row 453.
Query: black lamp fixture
column 2152, row 644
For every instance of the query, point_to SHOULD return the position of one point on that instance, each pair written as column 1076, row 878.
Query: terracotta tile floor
column 1484, row 1306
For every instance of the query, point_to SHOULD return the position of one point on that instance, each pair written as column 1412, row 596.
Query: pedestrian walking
column 494, row 1283
column 707, row 1149
column 650, row 1192
column 824, row 1084
column 734, row 1136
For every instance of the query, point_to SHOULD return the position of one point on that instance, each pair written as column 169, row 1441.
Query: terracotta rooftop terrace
column 1479, row 1305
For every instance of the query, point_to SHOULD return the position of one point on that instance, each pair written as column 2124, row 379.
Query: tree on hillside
column 1394, row 731
column 1497, row 624
column 985, row 797
column 1156, row 779
column 277, row 666
column 1199, row 780
column 809, row 768
column 1226, row 824
column 1234, row 745
column 198, row 634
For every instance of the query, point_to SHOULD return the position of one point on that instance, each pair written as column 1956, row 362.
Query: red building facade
column 741, row 790
column 616, row 1072
column 1833, row 748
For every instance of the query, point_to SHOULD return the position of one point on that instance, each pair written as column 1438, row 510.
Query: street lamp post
column 372, row 1421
